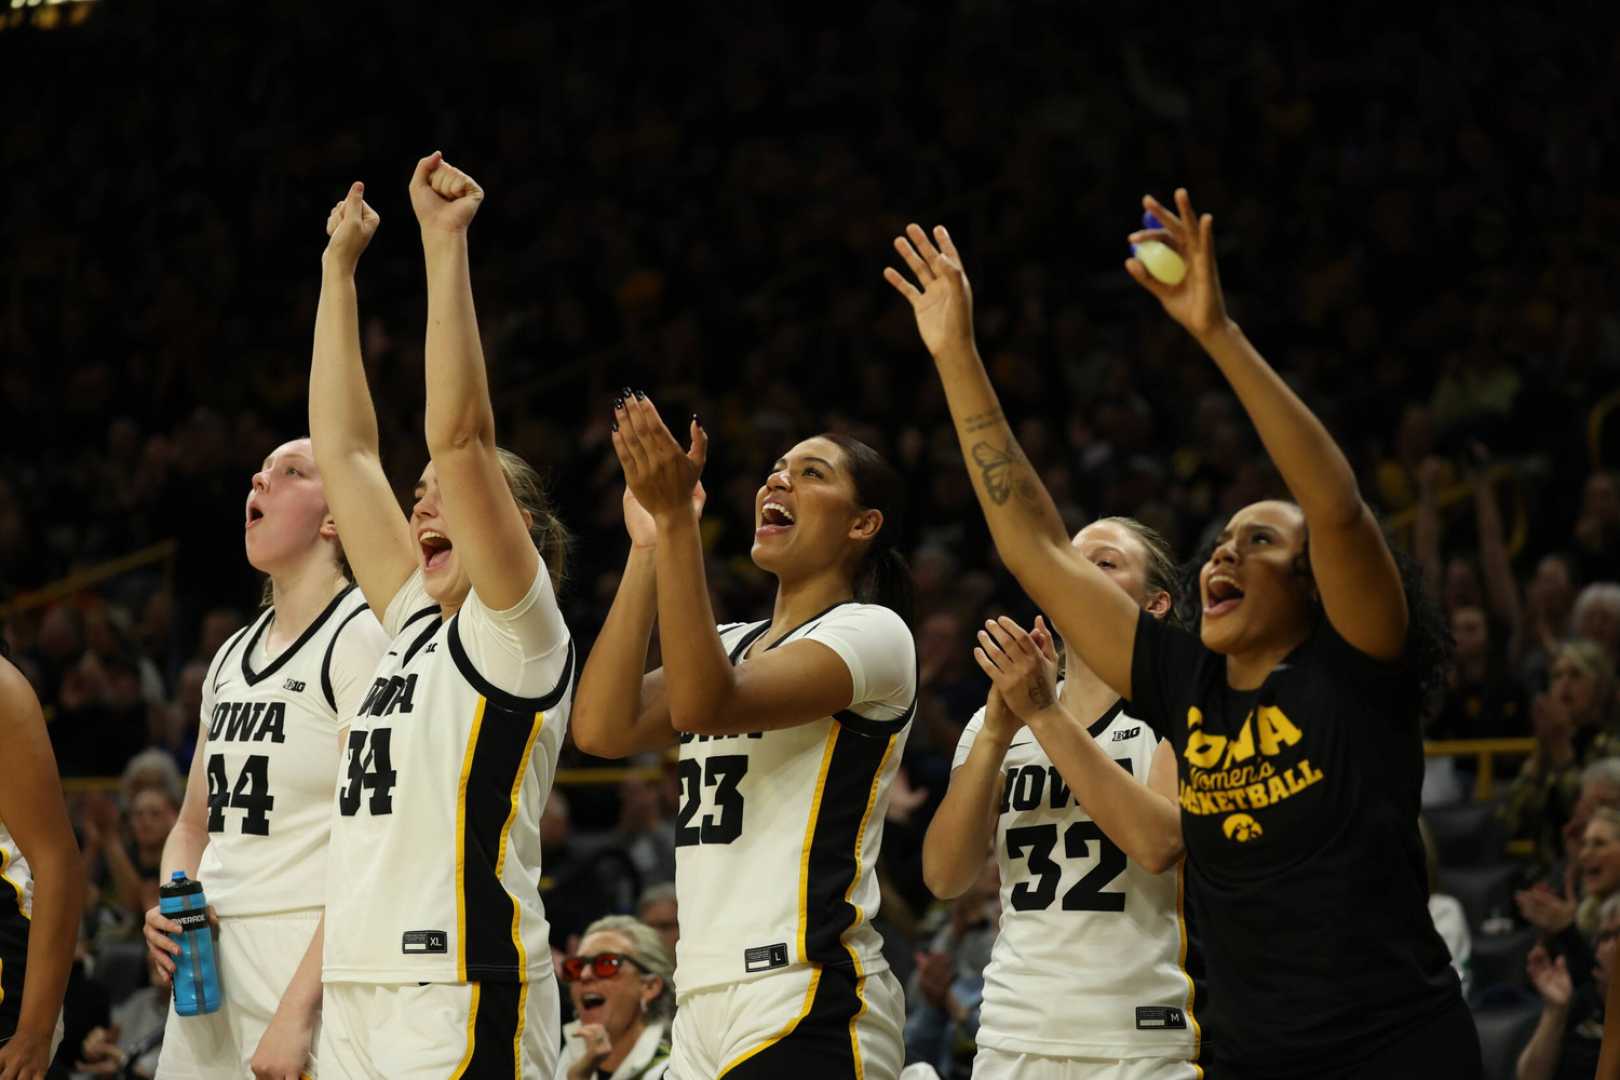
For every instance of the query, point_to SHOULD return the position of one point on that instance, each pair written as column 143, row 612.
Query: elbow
column 587, row 736
column 1159, row 854
column 452, row 432
column 940, row 881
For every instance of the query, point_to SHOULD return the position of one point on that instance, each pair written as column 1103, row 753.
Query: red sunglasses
column 602, row 965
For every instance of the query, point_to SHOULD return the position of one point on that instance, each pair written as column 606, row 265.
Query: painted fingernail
column 618, row 403
column 1151, row 222
column 624, row 392
column 615, row 425
column 696, row 419
column 640, row 396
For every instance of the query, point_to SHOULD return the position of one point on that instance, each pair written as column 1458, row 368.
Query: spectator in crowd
column 1482, row 700
column 1597, row 527
column 127, row 866
column 621, row 983
column 646, row 830
column 659, row 909
column 945, row 990
column 1566, row 1040
column 1596, row 618
column 1549, row 600
column 1572, row 725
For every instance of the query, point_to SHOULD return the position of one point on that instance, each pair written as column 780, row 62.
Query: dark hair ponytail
column 883, row 576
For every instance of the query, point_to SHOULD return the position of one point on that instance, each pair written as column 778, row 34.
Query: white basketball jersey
column 778, row 833
column 1090, row 958
column 435, row 868
column 270, row 750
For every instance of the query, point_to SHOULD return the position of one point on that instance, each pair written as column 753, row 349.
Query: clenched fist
column 350, row 226
column 444, row 198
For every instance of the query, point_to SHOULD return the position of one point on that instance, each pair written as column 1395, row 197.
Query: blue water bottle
column 196, row 978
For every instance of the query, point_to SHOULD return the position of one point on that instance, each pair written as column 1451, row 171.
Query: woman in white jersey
column 790, row 732
column 257, row 813
column 41, row 884
column 1088, row 976
column 437, row 960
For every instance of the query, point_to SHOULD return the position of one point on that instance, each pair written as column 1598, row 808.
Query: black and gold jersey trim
column 497, row 760
column 851, row 768
column 494, row 1032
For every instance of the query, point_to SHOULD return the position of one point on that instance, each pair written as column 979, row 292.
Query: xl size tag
column 1160, row 1017
column 765, row 957
column 425, row 941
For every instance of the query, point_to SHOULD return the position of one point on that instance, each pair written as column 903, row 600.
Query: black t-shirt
column 1299, row 804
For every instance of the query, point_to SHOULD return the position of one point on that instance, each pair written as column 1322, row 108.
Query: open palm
column 943, row 304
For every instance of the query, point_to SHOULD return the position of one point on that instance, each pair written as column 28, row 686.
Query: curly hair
column 1428, row 636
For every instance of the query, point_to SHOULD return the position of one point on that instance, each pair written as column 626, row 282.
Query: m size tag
column 425, row 941
column 1160, row 1017
column 765, row 957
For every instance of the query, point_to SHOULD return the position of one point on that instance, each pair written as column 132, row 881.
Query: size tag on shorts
column 1157, row 1017
column 765, row 957
column 425, row 941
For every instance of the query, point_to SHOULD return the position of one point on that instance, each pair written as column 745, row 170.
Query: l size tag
column 765, row 957
column 425, row 941
column 1160, row 1017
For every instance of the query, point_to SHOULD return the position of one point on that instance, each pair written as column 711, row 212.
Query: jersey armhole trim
column 503, row 698
column 749, row 636
column 326, row 661
column 225, row 654
column 874, row 729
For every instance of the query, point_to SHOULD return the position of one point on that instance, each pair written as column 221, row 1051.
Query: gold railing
column 1484, row 752
column 160, row 552
column 1517, row 529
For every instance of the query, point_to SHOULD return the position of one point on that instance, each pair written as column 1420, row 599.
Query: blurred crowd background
column 1413, row 225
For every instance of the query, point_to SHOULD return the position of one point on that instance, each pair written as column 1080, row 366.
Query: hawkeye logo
column 1242, row 828
column 1233, row 776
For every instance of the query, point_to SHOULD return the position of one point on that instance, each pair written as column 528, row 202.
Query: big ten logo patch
column 1233, row 776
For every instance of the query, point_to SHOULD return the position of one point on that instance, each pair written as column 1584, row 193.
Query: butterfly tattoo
column 1004, row 470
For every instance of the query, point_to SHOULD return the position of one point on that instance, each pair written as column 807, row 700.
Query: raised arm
column 31, row 806
column 1354, row 570
column 490, row 533
column 343, row 423
column 1093, row 615
column 1142, row 818
column 619, row 710
column 964, row 826
column 1501, row 587
column 800, row 682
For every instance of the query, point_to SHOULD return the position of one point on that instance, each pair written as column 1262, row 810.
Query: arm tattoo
column 980, row 421
column 1039, row 695
column 1004, row 471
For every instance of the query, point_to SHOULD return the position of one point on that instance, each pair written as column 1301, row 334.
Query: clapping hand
column 662, row 478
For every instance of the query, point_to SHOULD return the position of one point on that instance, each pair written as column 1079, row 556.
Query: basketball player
column 1295, row 710
column 41, row 884
column 790, row 733
column 1088, row 975
column 257, row 813
column 437, row 959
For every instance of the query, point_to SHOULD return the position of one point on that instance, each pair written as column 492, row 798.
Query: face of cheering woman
column 1255, row 586
column 807, row 518
column 287, row 515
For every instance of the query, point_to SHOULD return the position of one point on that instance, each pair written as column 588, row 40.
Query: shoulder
column 869, row 618
column 17, row 693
